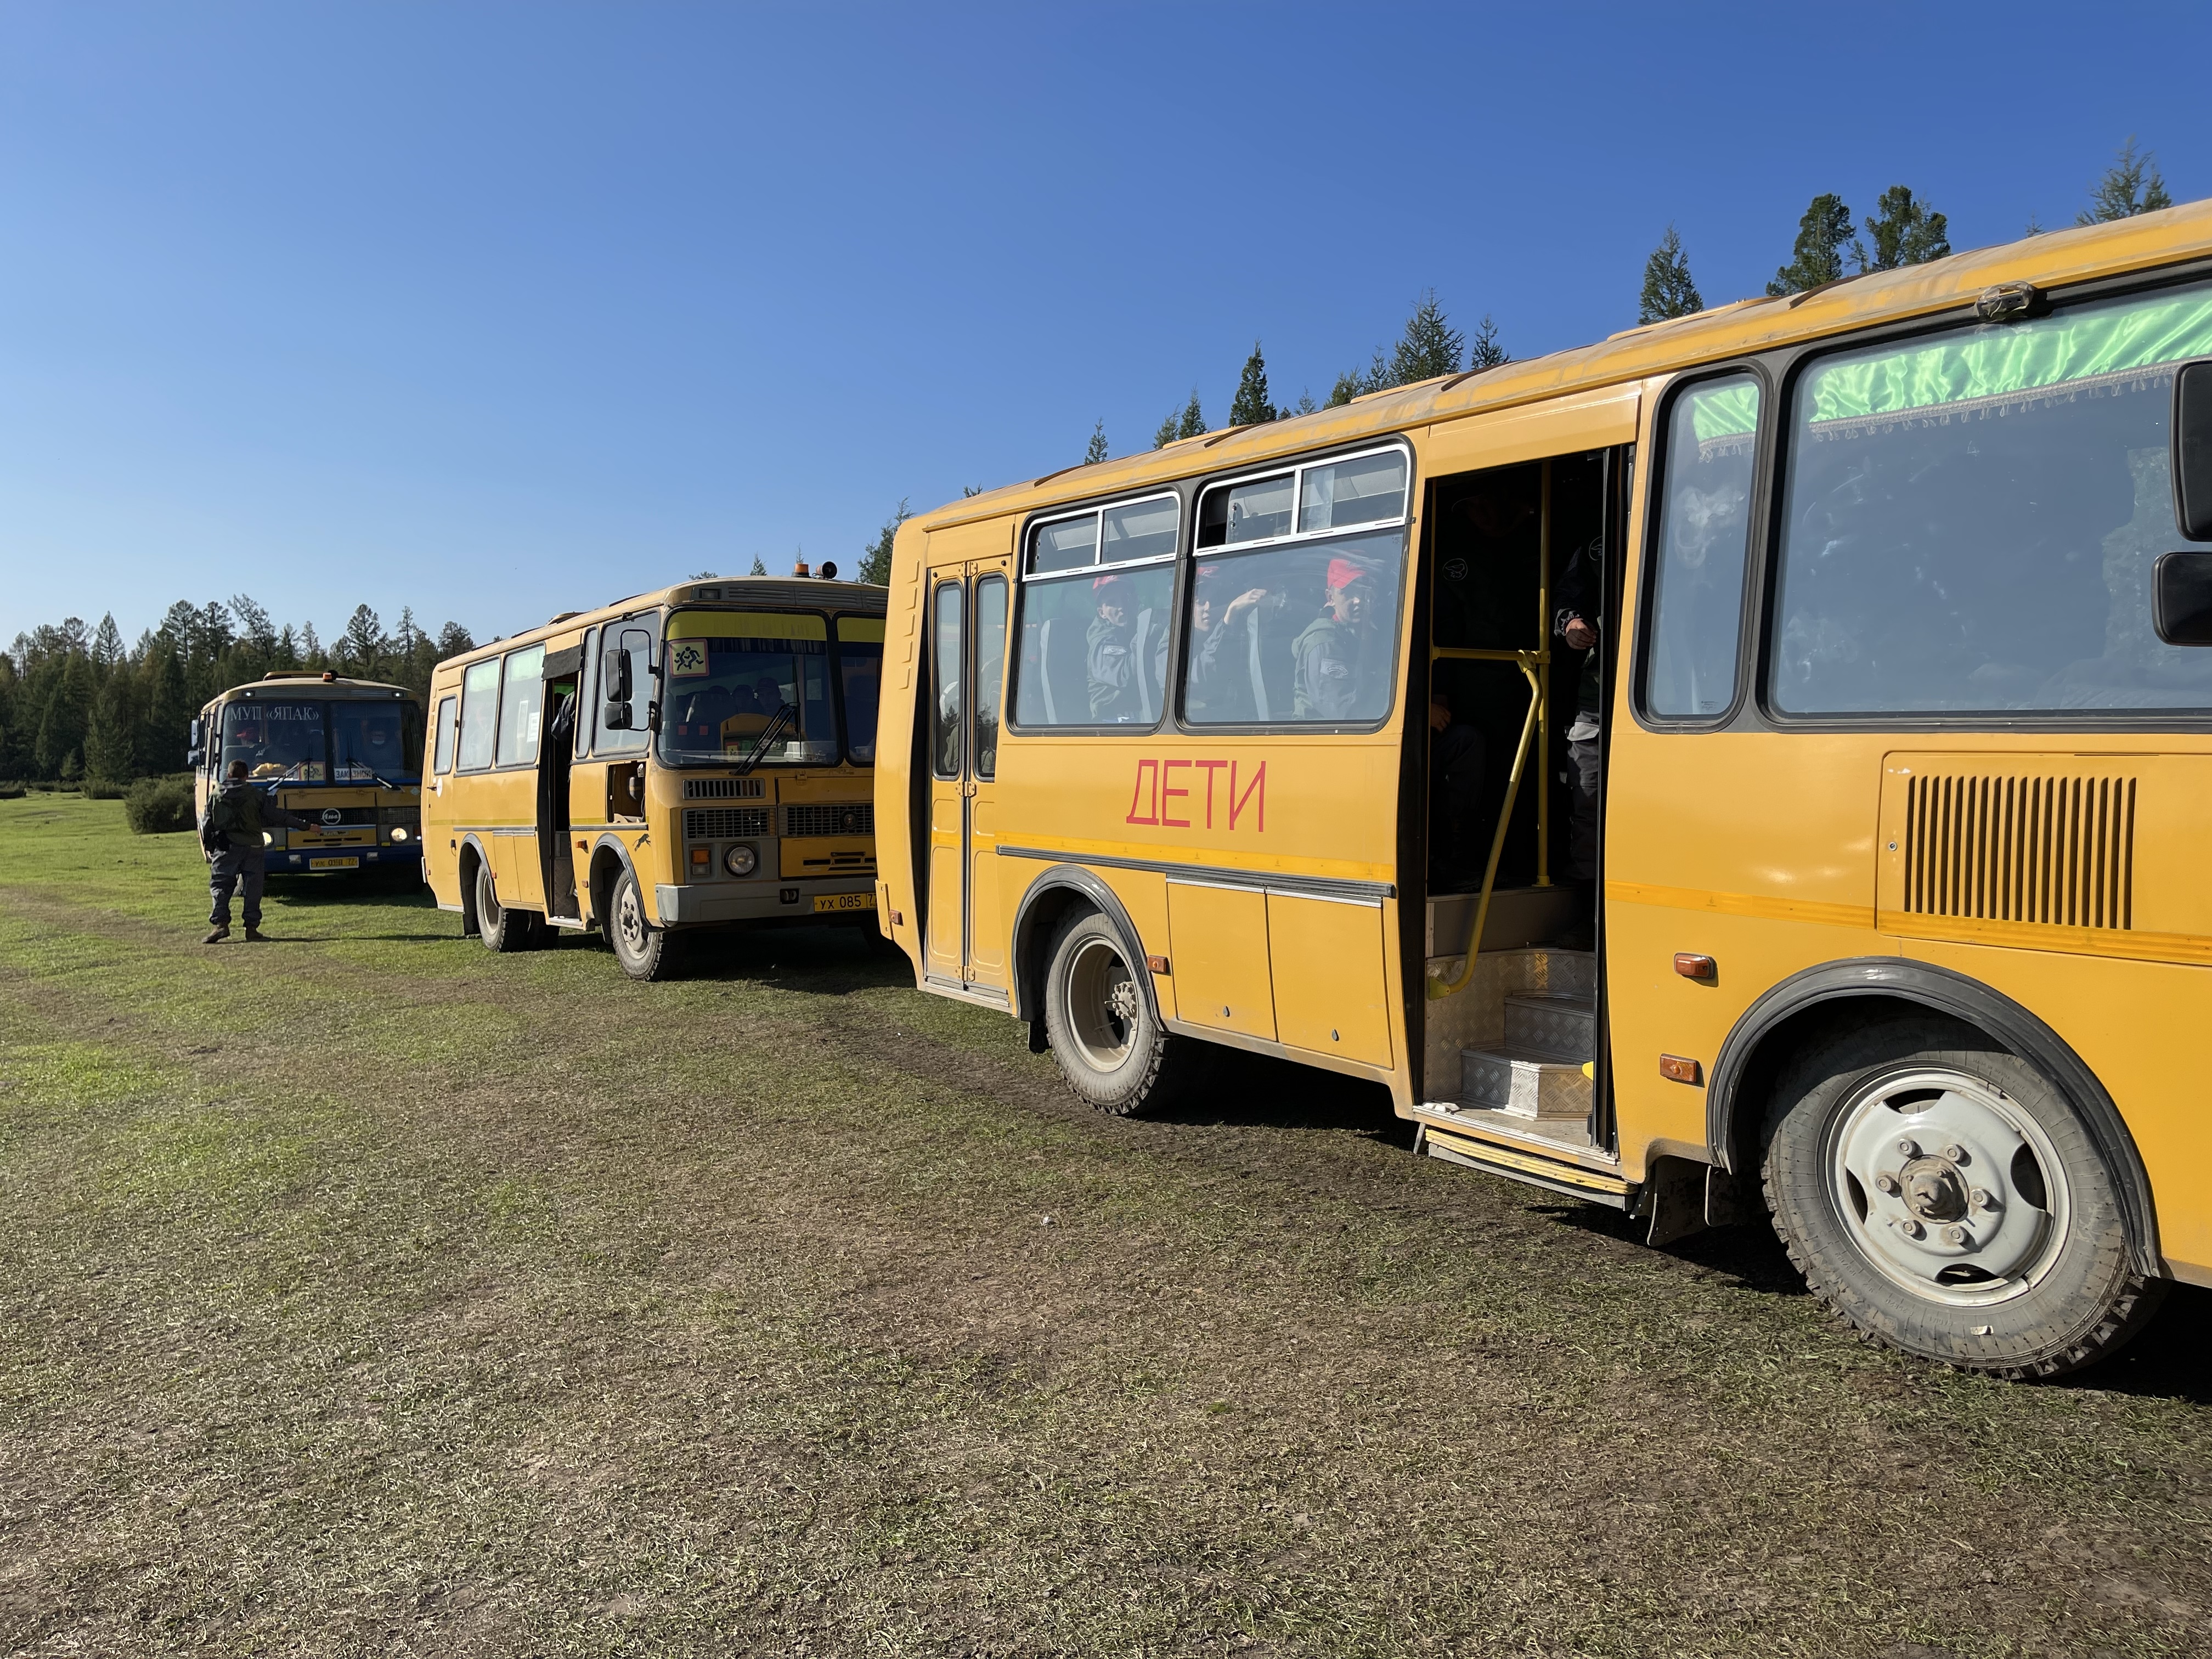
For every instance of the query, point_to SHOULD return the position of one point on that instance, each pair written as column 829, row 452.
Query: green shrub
column 160, row 806
column 13, row 790
column 103, row 789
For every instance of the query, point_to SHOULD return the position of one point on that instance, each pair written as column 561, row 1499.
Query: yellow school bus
column 687, row 759
column 1757, row 765
column 343, row 752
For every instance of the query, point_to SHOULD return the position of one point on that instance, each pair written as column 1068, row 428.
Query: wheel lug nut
column 1886, row 1183
column 1979, row 1199
column 1955, row 1154
column 1912, row 1229
column 1909, row 1148
column 1955, row 1235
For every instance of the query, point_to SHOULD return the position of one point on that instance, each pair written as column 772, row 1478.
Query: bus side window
column 1705, row 529
column 521, row 705
column 944, row 737
column 479, row 714
column 449, row 710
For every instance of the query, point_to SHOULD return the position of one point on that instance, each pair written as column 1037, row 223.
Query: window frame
column 444, row 754
column 1787, row 366
column 498, row 664
column 1185, row 499
column 499, row 726
column 1299, row 465
column 956, row 585
column 1757, row 552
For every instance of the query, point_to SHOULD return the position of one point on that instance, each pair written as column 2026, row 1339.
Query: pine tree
column 1486, row 352
column 876, row 557
column 60, row 743
column 1429, row 348
column 1095, row 451
column 453, row 640
column 1251, row 406
column 169, row 709
column 361, row 649
column 1905, row 232
column 110, row 738
column 2130, row 185
column 1668, row 289
column 107, row 644
column 1817, row 256
column 254, row 627
column 760, row 566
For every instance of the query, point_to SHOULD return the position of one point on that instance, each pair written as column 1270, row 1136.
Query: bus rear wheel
column 644, row 951
column 1103, row 1029
column 500, row 928
column 1943, row 1198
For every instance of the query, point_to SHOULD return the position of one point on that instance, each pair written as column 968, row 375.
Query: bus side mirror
column 2192, row 449
column 615, row 688
column 2181, row 598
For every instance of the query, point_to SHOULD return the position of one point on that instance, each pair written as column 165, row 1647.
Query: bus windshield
column 860, row 673
column 729, row 673
column 276, row 741
column 380, row 742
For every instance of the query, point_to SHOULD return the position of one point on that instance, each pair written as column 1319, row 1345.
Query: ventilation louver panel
column 724, row 823
column 724, row 788
column 830, row 818
column 2058, row 851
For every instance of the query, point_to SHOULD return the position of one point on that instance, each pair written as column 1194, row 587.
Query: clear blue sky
column 501, row 310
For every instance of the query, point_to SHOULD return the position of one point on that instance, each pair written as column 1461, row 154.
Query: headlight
column 268, row 840
column 740, row 860
column 399, row 834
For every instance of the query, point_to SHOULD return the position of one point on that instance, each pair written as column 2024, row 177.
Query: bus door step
column 1526, row 1164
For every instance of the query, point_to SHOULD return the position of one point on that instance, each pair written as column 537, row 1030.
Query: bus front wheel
column 1104, row 1030
column 644, row 951
column 1941, row 1195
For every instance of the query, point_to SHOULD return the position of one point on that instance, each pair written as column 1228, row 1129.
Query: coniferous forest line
column 77, row 704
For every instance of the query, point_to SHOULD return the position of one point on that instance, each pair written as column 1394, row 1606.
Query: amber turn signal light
column 1690, row 966
column 1676, row 1069
column 1157, row 964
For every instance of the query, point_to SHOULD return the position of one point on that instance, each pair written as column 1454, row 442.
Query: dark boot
column 218, row 933
column 255, row 936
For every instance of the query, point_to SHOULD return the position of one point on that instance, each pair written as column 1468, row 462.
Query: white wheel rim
column 1948, row 1187
column 487, row 904
column 1100, row 996
column 629, row 921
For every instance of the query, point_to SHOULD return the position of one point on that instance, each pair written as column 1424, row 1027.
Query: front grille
column 335, row 817
column 724, row 788
column 856, row 818
column 724, row 823
column 2057, row 850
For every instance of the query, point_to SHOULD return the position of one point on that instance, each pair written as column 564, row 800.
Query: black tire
column 1099, row 1020
column 1941, row 1197
column 501, row 929
column 644, row 951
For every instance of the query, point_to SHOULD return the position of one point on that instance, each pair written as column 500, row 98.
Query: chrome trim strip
column 1327, row 887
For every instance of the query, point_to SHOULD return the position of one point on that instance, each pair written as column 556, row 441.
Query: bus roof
column 314, row 683
column 2049, row 261
column 777, row 593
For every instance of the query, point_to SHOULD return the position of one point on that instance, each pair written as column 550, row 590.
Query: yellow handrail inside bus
column 1528, row 661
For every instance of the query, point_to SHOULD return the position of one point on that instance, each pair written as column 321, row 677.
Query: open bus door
column 556, row 752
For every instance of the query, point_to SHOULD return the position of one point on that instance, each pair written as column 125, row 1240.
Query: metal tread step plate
column 1555, row 1138
column 1525, row 1082
column 1535, row 1167
column 1561, row 1024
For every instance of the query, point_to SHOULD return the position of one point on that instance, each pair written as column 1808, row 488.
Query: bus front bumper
column 305, row 860
column 709, row 903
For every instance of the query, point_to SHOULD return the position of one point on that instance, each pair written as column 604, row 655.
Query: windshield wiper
column 779, row 723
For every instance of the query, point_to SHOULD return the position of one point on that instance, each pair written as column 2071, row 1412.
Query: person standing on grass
column 230, row 838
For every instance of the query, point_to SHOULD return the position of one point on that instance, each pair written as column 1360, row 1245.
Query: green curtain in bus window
column 1970, row 520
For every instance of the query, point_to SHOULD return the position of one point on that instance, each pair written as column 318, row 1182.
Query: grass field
column 365, row 1293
